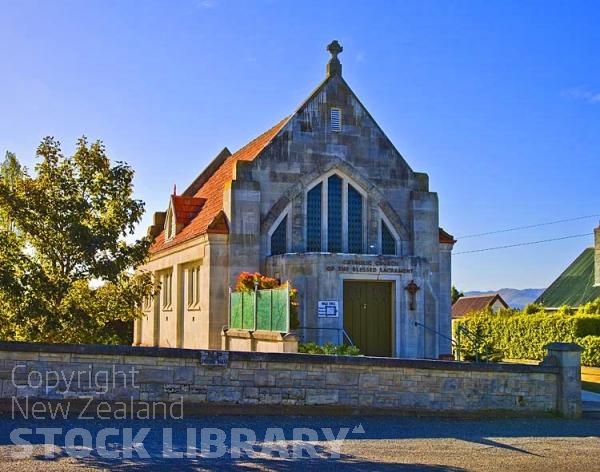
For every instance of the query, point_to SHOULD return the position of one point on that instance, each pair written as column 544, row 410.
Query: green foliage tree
column 11, row 172
column 455, row 294
column 66, row 270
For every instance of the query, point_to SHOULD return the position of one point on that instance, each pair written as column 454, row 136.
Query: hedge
column 591, row 350
column 523, row 336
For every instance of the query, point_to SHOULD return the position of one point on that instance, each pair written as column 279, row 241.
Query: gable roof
column 465, row 305
column 210, row 183
column 211, row 218
column 575, row 286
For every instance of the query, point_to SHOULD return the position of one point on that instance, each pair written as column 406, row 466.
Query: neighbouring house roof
column 465, row 305
column 210, row 218
column 575, row 286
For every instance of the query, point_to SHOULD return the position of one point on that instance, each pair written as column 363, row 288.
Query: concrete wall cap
column 563, row 347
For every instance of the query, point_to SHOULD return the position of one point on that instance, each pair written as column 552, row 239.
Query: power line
column 515, row 228
column 522, row 244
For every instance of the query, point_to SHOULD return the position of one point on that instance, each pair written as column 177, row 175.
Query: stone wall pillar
column 568, row 358
column 444, row 300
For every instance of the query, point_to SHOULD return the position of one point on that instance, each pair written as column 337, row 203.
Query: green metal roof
column 575, row 286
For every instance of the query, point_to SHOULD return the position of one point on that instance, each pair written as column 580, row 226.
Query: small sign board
column 216, row 358
column 328, row 308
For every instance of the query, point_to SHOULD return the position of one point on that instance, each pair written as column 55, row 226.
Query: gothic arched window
column 336, row 206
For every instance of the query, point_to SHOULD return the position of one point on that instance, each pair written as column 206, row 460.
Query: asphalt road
column 371, row 443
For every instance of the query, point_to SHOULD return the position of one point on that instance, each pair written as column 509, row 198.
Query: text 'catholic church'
column 323, row 199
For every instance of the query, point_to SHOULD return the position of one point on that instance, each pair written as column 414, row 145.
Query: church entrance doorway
column 368, row 316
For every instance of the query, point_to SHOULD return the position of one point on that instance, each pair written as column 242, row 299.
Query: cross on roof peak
column 334, row 48
column 334, row 67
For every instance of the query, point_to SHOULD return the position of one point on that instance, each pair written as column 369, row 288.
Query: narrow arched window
column 334, row 214
column 355, row 221
column 388, row 242
column 313, row 219
column 279, row 238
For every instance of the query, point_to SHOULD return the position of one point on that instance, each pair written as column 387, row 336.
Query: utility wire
column 515, row 228
column 522, row 244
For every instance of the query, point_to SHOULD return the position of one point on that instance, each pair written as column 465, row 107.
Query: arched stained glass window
column 335, row 206
column 388, row 242
column 313, row 219
column 355, row 221
column 279, row 238
column 334, row 214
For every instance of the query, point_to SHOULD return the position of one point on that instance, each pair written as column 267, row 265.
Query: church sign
column 368, row 266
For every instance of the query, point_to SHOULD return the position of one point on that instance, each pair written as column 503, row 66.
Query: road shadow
column 493, row 433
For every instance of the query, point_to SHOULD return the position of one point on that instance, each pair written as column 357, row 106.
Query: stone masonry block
column 341, row 378
column 149, row 375
column 224, row 394
column 321, row 397
column 283, row 379
column 368, row 381
column 263, row 378
column 183, row 375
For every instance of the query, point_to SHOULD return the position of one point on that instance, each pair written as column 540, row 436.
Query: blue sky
column 498, row 101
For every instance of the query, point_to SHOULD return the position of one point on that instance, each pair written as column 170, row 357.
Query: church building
column 324, row 200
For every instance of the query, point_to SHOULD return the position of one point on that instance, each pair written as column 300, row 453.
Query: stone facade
column 321, row 199
column 277, row 381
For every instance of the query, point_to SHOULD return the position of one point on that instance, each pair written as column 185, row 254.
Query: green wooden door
column 368, row 316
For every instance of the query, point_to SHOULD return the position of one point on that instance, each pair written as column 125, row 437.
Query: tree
column 66, row 269
column 11, row 172
column 455, row 294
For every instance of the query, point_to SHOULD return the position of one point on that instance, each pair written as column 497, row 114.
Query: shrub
column 591, row 350
column 524, row 335
column 329, row 349
column 590, row 308
column 532, row 308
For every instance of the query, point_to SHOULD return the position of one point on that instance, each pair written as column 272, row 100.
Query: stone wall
column 278, row 381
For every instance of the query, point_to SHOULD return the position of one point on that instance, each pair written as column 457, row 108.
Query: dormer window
column 181, row 211
column 170, row 224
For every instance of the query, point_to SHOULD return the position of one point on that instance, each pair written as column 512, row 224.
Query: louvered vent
column 336, row 119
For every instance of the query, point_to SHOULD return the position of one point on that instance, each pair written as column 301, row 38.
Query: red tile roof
column 186, row 208
column 211, row 218
column 446, row 238
column 465, row 305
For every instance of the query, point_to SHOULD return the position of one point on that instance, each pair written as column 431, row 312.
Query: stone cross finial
column 334, row 67
column 334, row 48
